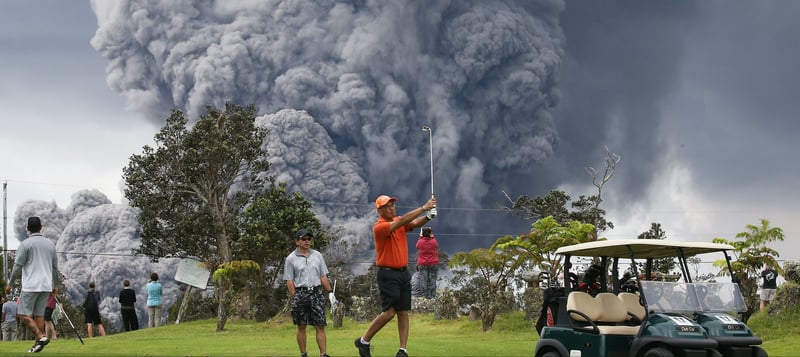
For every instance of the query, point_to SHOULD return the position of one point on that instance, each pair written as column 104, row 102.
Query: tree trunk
column 220, row 291
column 487, row 319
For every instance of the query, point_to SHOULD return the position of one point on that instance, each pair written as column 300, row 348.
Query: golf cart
column 633, row 316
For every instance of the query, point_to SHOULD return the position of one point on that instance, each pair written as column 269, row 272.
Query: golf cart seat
column 605, row 314
column 633, row 305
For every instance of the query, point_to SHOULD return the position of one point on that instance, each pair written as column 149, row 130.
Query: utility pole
column 5, row 231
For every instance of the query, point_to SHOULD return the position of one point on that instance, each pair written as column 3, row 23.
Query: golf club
column 430, row 137
column 68, row 320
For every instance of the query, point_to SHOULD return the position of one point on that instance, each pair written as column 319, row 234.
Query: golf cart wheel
column 658, row 352
column 759, row 352
column 551, row 354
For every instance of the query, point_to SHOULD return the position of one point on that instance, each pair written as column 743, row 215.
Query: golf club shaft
column 431, row 145
column 69, row 320
column 430, row 138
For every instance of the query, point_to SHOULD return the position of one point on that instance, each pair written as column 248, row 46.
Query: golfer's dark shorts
column 395, row 287
column 48, row 314
column 308, row 308
column 92, row 317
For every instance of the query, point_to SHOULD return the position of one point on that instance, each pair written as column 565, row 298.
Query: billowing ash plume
column 85, row 199
column 368, row 75
column 96, row 246
column 54, row 219
column 295, row 141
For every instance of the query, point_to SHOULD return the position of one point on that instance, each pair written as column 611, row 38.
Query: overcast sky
column 698, row 98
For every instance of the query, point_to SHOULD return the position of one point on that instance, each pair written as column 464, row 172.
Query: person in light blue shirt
column 153, row 301
column 9, row 319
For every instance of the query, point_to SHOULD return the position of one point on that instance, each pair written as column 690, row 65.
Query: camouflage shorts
column 308, row 308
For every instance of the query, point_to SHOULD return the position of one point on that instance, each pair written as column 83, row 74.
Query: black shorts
column 395, row 287
column 308, row 308
column 92, row 317
column 48, row 314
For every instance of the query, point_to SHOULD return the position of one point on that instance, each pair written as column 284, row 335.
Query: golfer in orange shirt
column 394, row 281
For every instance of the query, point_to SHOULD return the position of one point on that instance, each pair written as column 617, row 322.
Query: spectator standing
column 127, row 301
column 427, row 262
column 37, row 265
column 769, row 285
column 306, row 274
column 154, row 290
column 9, row 319
column 394, row 281
column 91, row 312
column 49, row 325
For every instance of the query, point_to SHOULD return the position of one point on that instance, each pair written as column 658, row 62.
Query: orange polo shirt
column 391, row 247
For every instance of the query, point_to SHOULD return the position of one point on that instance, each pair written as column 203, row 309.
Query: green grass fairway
column 511, row 336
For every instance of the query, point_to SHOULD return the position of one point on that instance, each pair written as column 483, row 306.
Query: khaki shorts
column 767, row 294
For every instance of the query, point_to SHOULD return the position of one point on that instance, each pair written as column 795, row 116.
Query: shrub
column 787, row 296
column 446, row 306
column 791, row 272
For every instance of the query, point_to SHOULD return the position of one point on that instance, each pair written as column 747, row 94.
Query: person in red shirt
column 394, row 281
column 427, row 262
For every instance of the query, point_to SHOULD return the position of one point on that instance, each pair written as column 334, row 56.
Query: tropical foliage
column 538, row 247
column 493, row 269
column 752, row 253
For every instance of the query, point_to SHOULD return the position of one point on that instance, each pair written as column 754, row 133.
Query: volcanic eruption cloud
column 345, row 87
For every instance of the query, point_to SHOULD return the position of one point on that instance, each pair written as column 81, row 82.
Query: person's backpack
column 91, row 301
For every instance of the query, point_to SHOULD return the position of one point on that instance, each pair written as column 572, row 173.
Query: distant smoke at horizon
column 96, row 245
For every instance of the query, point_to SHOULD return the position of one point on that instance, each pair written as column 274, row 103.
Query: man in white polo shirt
column 37, row 265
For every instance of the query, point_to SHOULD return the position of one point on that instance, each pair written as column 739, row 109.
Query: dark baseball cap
column 34, row 224
column 302, row 233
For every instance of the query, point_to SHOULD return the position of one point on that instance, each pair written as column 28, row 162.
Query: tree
column 664, row 265
column 586, row 209
column 539, row 246
column 269, row 224
column 184, row 186
column 752, row 254
column 552, row 204
column 593, row 209
column 494, row 267
column 233, row 278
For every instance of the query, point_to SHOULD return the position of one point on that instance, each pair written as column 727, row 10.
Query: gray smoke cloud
column 85, row 199
column 96, row 246
column 366, row 76
column 54, row 219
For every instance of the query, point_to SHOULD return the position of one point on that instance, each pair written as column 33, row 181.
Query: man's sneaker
column 363, row 349
column 401, row 353
column 36, row 348
column 303, row 354
column 39, row 345
column 325, row 355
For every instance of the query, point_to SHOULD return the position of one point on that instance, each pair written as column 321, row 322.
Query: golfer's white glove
column 431, row 214
column 332, row 298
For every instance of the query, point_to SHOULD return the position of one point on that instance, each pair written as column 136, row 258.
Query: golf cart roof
column 642, row 248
